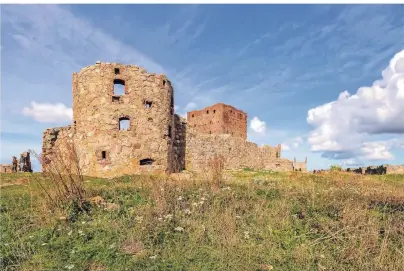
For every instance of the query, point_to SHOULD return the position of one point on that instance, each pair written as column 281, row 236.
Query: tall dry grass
column 62, row 179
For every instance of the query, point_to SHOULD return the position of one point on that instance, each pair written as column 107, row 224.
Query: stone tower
column 219, row 119
column 123, row 120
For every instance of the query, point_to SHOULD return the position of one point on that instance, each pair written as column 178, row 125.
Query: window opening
column 214, row 111
column 124, row 123
column 207, row 111
column 117, row 71
column 148, row 104
column 146, row 161
column 169, row 131
column 104, row 155
column 164, row 82
column 119, row 87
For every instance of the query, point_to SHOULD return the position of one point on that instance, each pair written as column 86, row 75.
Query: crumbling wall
column 104, row 147
column 237, row 153
column 5, row 168
column 300, row 166
column 56, row 146
column 219, row 119
column 395, row 169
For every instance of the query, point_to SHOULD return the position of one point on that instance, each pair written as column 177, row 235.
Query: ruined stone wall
column 219, row 119
column 300, row 166
column 395, row 169
column 104, row 148
column 56, row 144
column 237, row 152
column 5, row 168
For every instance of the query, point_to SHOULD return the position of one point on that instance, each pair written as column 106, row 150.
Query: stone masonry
column 136, row 130
column 23, row 164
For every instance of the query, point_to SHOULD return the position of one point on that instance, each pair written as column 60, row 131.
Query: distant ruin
column 124, row 123
column 23, row 164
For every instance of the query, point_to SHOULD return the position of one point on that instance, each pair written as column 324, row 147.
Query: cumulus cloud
column 47, row 112
column 343, row 128
column 257, row 125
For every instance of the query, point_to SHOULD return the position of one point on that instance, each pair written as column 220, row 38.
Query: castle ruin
column 124, row 123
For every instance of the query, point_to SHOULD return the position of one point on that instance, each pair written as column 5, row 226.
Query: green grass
column 256, row 220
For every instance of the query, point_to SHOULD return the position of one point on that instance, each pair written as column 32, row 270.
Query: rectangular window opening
column 104, row 155
column 119, row 87
column 116, row 70
column 146, row 161
column 124, row 123
column 169, row 131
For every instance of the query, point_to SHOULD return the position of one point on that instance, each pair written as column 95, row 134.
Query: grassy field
column 249, row 221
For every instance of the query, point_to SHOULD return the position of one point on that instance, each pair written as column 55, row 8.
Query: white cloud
column 285, row 147
column 46, row 112
column 343, row 127
column 257, row 125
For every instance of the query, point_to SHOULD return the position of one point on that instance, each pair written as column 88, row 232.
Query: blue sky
column 285, row 65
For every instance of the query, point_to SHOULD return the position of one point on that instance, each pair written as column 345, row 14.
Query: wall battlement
column 124, row 123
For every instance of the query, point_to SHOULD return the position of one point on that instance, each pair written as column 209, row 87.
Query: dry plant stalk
column 215, row 168
column 65, row 181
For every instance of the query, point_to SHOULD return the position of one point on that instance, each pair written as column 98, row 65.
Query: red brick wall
column 219, row 119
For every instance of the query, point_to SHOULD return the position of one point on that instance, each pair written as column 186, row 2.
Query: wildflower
column 111, row 246
column 246, row 235
column 139, row 219
column 153, row 257
column 81, row 232
column 238, row 217
column 83, row 222
column 195, row 204
column 180, row 198
column 44, row 244
column 31, row 236
column 69, row 267
column 203, row 199
column 168, row 217
column 160, row 219
column 179, row 229
column 70, row 233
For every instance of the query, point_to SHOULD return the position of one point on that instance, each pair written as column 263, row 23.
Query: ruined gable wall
column 219, row 119
column 237, row 152
column 97, row 112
